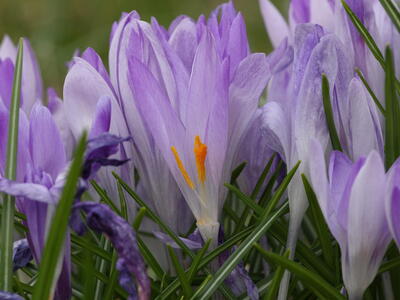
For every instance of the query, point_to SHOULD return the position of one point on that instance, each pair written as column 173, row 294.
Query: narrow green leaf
column 392, row 12
column 276, row 281
column 364, row 34
column 194, row 267
column 7, row 220
column 370, row 91
column 150, row 259
column 330, row 122
column 112, row 282
column 312, row 280
column 245, row 199
column 237, row 171
column 392, row 116
column 319, row 222
column 187, row 290
column 58, row 229
column 139, row 218
column 104, row 197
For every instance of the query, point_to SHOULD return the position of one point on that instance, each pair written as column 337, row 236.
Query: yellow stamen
column 182, row 168
column 200, row 153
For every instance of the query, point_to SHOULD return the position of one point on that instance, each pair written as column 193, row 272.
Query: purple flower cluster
column 180, row 105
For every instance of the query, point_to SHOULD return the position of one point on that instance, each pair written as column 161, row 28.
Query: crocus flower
column 197, row 101
column 331, row 15
column 31, row 89
column 352, row 198
column 22, row 254
column 9, row 296
column 122, row 236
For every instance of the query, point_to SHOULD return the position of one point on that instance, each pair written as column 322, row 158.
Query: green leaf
column 56, row 236
column 392, row 116
column 104, row 197
column 196, row 262
column 187, row 290
column 370, row 91
column 320, row 224
column 249, row 202
column 330, row 122
column 312, row 280
column 112, row 284
column 276, row 281
column 364, row 34
column 237, row 171
column 7, row 220
column 392, row 12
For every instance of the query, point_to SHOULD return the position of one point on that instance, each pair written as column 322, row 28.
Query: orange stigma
column 200, row 153
column 182, row 168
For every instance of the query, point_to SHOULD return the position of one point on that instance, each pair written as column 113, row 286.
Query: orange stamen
column 200, row 153
column 182, row 168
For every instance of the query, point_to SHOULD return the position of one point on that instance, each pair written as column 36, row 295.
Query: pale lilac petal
column 46, row 146
column 166, row 239
column 183, row 41
column 95, row 61
column 8, row 49
column 368, row 235
column 9, row 296
column 33, row 191
column 299, row 12
column 322, row 13
column 32, row 84
column 275, row 24
column 102, row 118
column 6, row 82
column 394, row 215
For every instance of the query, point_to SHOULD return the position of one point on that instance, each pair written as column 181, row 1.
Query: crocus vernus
column 199, row 114
column 22, row 254
column 352, row 199
column 130, row 263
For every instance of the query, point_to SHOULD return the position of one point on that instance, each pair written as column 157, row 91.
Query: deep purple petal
column 103, row 220
column 33, row 191
column 22, row 254
column 9, row 296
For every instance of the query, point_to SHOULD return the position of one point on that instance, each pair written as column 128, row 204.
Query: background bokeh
column 57, row 27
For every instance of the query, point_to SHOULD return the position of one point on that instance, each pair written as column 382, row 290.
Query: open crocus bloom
column 197, row 108
column 352, row 198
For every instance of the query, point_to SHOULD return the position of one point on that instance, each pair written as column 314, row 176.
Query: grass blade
column 392, row 116
column 58, row 229
column 7, row 220
column 312, row 280
column 370, row 91
column 320, row 224
column 392, row 12
column 330, row 122
column 249, row 202
column 364, row 34
column 187, row 290
column 276, row 281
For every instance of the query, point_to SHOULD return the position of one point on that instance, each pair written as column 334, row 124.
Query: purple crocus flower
column 197, row 99
column 9, row 296
column 121, row 234
column 31, row 89
column 331, row 15
column 352, row 197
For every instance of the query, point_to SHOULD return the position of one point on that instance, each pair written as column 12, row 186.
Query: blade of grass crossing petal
column 7, row 220
column 371, row 92
column 330, row 122
column 319, row 222
column 365, row 34
column 187, row 290
column 122, row 202
column 392, row 132
column 237, row 171
column 312, row 280
column 272, row 293
column 58, row 229
column 104, row 197
column 139, row 218
column 112, row 283
column 392, row 12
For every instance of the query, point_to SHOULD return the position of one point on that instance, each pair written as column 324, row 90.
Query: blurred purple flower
column 22, row 254
column 122, row 236
column 9, row 296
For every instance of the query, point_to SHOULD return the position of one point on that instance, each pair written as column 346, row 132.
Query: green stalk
column 7, row 221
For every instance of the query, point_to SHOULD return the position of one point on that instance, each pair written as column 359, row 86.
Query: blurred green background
column 57, row 27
